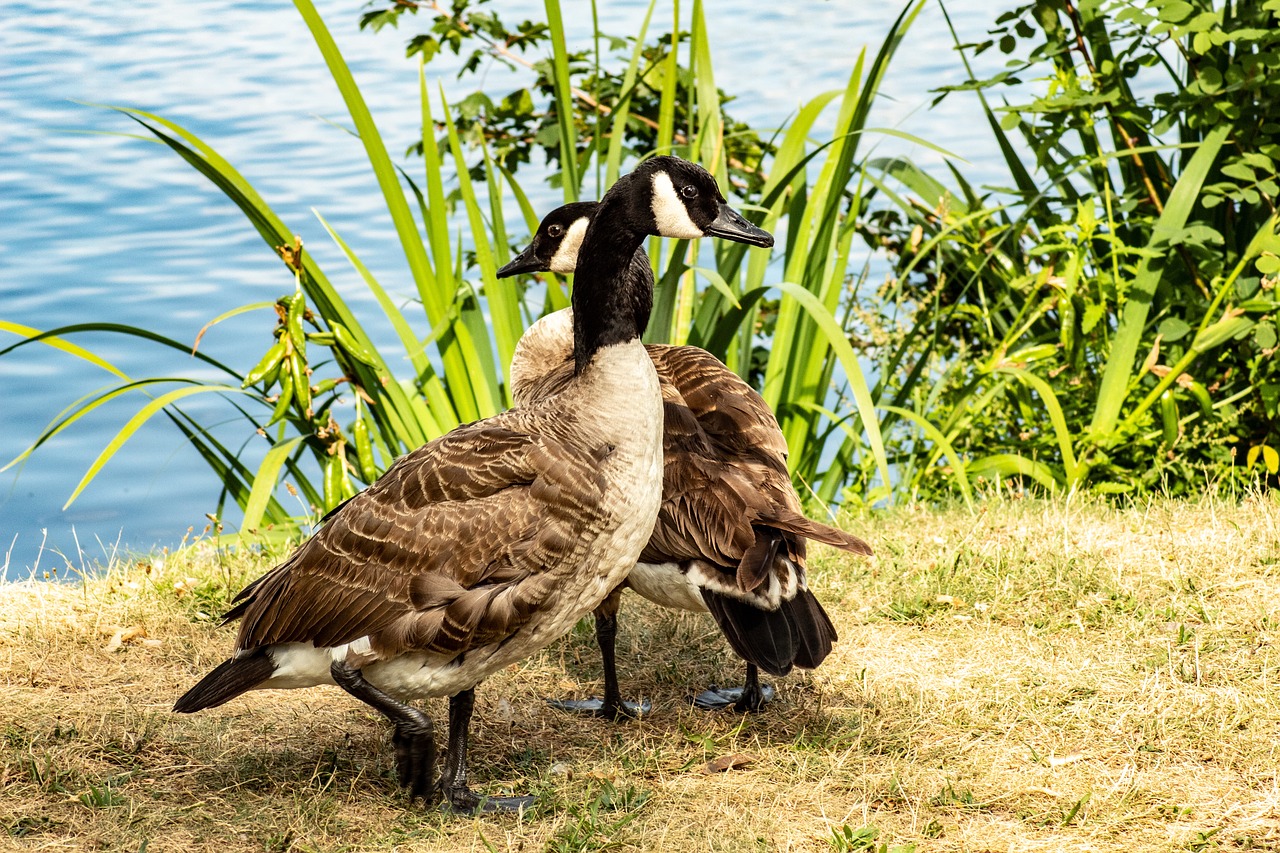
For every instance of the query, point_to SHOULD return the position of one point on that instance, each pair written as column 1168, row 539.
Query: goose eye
column 689, row 191
column 555, row 230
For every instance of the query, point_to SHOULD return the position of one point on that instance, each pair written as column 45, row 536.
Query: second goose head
column 555, row 244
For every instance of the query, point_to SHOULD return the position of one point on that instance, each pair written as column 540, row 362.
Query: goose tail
column 765, row 638
column 814, row 628
column 227, row 681
column 799, row 525
column 798, row 633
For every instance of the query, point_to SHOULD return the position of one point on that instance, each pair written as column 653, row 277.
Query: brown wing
column 731, row 414
column 447, row 550
column 704, row 499
column 725, row 473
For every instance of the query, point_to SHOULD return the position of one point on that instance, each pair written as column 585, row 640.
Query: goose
column 730, row 537
column 488, row 543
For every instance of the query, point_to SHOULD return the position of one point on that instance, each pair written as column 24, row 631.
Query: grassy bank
column 1036, row 676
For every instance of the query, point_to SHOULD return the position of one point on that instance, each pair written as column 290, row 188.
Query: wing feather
column 450, row 547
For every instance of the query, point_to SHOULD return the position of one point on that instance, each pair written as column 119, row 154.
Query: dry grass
column 1040, row 676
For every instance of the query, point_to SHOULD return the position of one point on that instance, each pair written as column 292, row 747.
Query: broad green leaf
column 837, row 341
column 1120, row 363
column 564, row 101
column 1001, row 465
column 622, row 109
column 264, row 483
column 959, row 472
column 132, row 425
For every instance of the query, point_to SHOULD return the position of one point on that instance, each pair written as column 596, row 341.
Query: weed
column 596, row 824
column 846, row 839
column 103, row 795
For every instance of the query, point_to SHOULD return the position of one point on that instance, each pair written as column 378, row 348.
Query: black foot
column 415, row 758
column 740, row 699
column 593, row 707
column 467, row 802
column 412, row 738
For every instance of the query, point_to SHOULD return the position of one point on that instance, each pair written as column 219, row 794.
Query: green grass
column 1034, row 676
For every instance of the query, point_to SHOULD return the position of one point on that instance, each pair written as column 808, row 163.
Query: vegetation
column 327, row 404
column 1061, row 675
column 1105, row 322
column 1109, row 320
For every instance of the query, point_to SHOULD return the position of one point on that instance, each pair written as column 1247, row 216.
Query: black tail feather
column 765, row 638
column 227, row 681
column 813, row 627
column 798, row 633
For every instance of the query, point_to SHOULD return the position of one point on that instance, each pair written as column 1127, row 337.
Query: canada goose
column 731, row 533
column 483, row 546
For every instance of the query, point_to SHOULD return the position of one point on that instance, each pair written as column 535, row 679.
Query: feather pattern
column 392, row 565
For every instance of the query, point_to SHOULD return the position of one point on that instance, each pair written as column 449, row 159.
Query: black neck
column 613, row 284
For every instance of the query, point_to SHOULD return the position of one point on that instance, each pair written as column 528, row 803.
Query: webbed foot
column 743, row 700
column 618, row 711
column 462, row 800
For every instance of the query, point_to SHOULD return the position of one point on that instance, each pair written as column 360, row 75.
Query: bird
column 731, row 533
column 486, row 544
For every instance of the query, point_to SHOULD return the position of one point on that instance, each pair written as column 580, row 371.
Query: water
column 98, row 227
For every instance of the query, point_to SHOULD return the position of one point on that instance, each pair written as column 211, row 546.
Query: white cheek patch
column 566, row 257
column 669, row 212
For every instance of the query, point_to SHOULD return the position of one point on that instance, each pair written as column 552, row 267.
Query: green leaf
column 622, row 109
column 849, row 360
column 564, row 102
column 57, row 343
column 1210, row 80
column 1121, row 362
column 264, row 483
column 1001, row 465
column 1071, row 469
column 459, row 351
column 718, row 282
column 1175, row 11
column 132, row 425
column 959, row 472
column 1173, row 329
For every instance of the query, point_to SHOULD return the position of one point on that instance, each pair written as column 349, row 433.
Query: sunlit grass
column 1032, row 676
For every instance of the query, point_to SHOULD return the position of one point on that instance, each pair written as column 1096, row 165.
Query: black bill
column 730, row 225
column 526, row 261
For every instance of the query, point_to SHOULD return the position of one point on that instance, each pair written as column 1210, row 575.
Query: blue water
column 98, row 227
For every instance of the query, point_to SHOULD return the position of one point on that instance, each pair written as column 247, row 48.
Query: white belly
column 415, row 675
column 666, row 584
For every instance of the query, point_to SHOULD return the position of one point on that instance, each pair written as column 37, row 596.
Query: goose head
column 684, row 202
column 601, row 243
column 555, row 244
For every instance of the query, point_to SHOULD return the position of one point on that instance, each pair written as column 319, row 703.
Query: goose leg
column 753, row 698
column 748, row 699
column 613, row 706
column 414, row 742
column 458, row 795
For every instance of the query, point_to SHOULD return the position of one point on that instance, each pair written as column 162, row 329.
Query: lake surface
column 97, row 227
